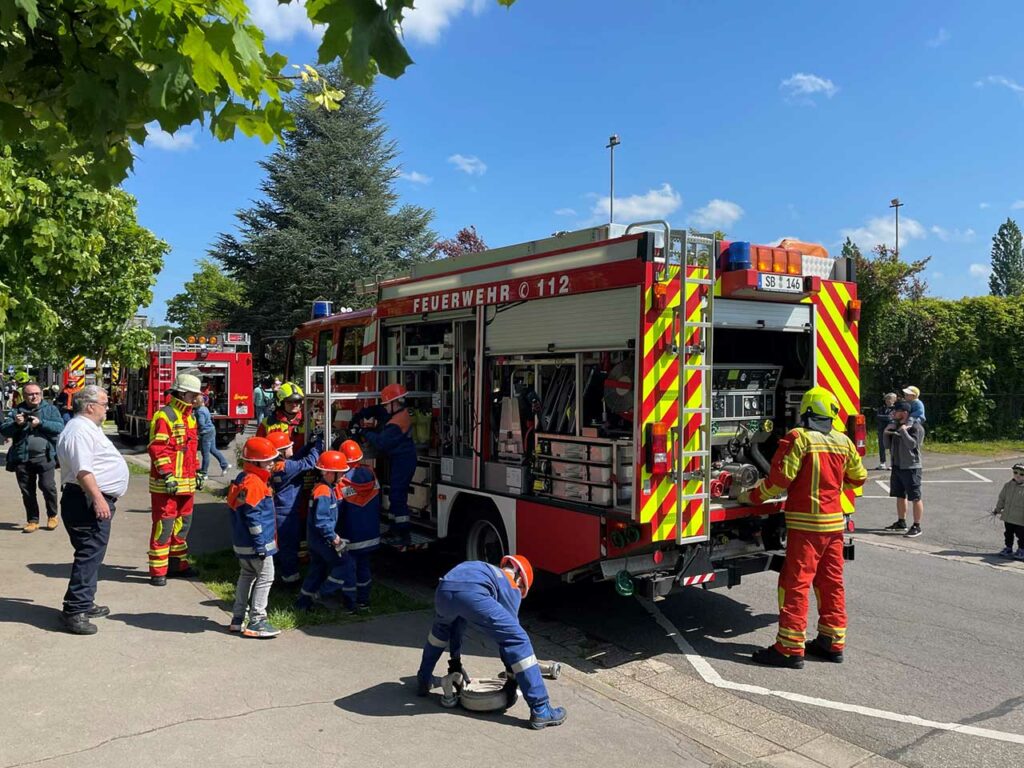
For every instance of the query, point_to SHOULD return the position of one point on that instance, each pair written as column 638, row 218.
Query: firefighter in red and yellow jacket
column 173, row 447
column 813, row 465
column 287, row 417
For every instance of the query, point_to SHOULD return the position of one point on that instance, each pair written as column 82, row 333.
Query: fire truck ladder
column 164, row 367
column 697, row 257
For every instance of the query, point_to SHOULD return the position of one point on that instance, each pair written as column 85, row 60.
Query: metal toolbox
column 588, row 494
column 419, row 497
column 567, row 470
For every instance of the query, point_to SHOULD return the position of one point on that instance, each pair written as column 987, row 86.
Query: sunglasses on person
column 1018, row 473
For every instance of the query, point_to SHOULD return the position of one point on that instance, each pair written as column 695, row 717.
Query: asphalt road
column 936, row 630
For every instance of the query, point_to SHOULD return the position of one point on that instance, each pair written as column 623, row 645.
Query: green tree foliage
column 1007, row 278
column 84, row 78
column 209, row 299
column 329, row 216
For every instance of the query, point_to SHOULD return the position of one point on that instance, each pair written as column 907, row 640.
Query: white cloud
column 983, row 206
column 802, row 86
column 882, row 229
column 1005, row 82
column 1017, row 205
column 654, row 204
column 283, row 22
column 470, row 164
column 717, row 214
column 941, row 38
column 179, row 141
column 955, row 235
column 936, row 275
column 565, row 212
column 980, row 271
column 415, row 177
column 430, row 18
column 778, row 241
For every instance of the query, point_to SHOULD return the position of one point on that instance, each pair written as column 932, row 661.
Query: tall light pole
column 613, row 142
column 896, row 204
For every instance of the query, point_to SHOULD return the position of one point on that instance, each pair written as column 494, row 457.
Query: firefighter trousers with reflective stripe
column 360, row 575
column 329, row 573
column 168, row 542
column 454, row 610
column 812, row 560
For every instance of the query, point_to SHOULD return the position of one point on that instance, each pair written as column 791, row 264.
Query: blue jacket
column 322, row 523
column 50, row 426
column 917, row 410
column 253, row 525
column 395, row 439
column 288, row 478
column 360, row 511
column 204, row 421
column 477, row 576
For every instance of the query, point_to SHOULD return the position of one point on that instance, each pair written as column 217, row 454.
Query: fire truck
column 597, row 400
column 224, row 366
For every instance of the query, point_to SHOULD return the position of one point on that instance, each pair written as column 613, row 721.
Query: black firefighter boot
column 821, row 647
column 772, row 657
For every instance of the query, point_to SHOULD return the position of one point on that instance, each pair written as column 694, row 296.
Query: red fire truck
column 224, row 366
column 597, row 400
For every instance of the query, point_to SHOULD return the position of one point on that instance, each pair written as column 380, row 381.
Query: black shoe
column 821, row 647
column 185, row 573
column 915, row 530
column 899, row 525
column 423, row 686
column 97, row 611
column 772, row 657
column 362, row 609
column 158, row 581
column 78, row 624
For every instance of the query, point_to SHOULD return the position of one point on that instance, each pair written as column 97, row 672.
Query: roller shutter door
column 734, row 313
column 601, row 320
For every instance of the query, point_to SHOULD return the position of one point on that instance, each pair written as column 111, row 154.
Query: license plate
column 780, row 283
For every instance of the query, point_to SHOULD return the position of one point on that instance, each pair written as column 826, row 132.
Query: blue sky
column 764, row 119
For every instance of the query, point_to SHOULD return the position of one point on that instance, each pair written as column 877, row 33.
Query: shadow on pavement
column 20, row 610
column 168, row 622
column 11, row 526
column 123, row 573
column 991, row 558
column 400, row 700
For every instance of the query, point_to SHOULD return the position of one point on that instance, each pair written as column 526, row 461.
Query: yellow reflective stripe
column 811, row 517
column 161, row 461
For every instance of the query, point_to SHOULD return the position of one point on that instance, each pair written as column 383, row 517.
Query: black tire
column 484, row 538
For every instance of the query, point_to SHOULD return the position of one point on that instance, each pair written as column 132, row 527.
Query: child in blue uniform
column 288, row 481
column 329, row 566
column 488, row 597
column 359, row 520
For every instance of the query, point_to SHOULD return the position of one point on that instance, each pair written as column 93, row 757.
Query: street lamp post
column 613, row 142
column 896, row 205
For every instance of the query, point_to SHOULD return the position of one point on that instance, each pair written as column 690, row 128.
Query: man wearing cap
column 903, row 438
column 913, row 396
column 173, row 445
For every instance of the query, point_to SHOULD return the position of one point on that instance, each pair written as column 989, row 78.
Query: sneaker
column 1020, row 554
column 77, row 623
column 915, row 530
column 31, row 527
column 363, row 609
column 882, row 466
column 821, row 647
column 97, row 611
column 236, row 623
column 51, row 523
column 773, row 657
column 547, row 716
column 261, row 629
column 303, row 603
column 899, row 525
column 424, row 684
column 1006, row 552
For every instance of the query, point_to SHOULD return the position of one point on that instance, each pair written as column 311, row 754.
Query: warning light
column 191, row 339
column 213, row 339
column 853, row 310
column 660, row 296
column 657, row 448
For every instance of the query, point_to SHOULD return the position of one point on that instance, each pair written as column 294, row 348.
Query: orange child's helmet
column 280, row 440
column 353, row 453
column 392, row 392
column 259, row 449
column 332, row 461
column 522, row 569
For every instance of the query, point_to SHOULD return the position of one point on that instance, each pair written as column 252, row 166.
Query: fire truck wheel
column 774, row 534
column 485, row 539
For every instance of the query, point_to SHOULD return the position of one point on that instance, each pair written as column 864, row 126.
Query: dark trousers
column 1012, row 529
column 881, row 445
column 29, row 474
column 89, row 537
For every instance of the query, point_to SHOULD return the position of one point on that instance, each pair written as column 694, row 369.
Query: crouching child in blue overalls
column 488, row 598
column 359, row 522
column 287, row 480
column 254, row 538
column 329, row 571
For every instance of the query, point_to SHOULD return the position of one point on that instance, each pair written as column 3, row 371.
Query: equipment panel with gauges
column 744, row 395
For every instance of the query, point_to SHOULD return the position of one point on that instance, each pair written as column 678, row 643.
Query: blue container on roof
column 321, row 308
column 739, row 256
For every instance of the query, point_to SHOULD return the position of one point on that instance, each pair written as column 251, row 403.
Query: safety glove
column 200, row 480
column 455, row 665
column 170, row 485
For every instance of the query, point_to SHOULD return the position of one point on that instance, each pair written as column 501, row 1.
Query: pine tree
column 329, row 216
column 1007, row 278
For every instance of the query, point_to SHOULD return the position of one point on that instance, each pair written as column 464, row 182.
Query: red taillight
column 857, row 427
column 657, row 449
column 853, row 310
column 658, row 556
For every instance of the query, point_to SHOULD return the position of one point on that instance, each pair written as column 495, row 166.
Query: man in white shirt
column 94, row 475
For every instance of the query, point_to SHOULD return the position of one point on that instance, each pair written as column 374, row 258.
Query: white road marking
column 883, row 486
column 972, row 472
column 1009, row 566
column 708, row 673
column 866, row 496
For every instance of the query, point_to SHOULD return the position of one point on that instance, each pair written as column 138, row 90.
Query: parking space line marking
column 883, row 486
column 709, row 675
column 866, row 496
column 1007, row 567
column 972, row 472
